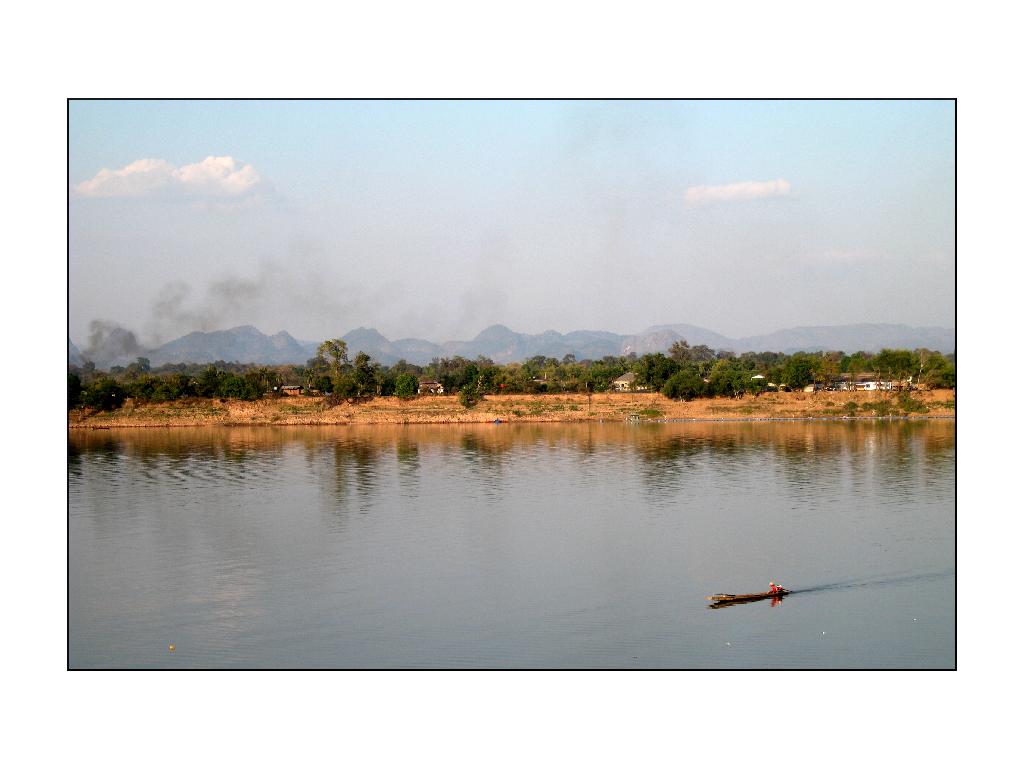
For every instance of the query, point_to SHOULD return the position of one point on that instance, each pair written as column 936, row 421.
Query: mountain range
column 247, row 344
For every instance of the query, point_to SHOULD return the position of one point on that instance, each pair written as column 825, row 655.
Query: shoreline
column 646, row 408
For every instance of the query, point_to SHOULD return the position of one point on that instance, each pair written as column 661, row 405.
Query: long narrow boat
column 723, row 599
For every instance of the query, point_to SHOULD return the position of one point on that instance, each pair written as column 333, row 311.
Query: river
column 513, row 546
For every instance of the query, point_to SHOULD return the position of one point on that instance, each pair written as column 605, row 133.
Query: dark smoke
column 110, row 344
column 267, row 300
column 169, row 309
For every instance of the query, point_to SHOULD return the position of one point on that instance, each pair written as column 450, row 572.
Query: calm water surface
column 513, row 546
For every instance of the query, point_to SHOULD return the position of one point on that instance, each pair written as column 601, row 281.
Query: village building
column 292, row 390
column 624, row 382
column 867, row 382
column 430, row 387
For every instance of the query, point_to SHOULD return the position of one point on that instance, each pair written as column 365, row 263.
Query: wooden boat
column 722, row 599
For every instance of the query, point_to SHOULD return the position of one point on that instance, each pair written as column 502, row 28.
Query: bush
column 104, row 394
column 910, row 405
column 883, row 408
column 468, row 396
column 345, row 386
column 321, row 383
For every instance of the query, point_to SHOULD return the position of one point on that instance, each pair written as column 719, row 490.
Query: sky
column 435, row 219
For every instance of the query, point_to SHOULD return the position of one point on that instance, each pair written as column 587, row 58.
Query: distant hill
column 650, row 342
column 502, row 345
column 381, row 349
column 413, row 350
column 246, row 344
column 869, row 337
column 695, row 335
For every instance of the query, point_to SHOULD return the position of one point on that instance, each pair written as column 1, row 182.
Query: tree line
column 685, row 372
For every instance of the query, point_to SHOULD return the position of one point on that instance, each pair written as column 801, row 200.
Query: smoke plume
column 110, row 344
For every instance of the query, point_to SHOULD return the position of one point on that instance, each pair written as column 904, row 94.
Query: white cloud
column 736, row 192
column 216, row 177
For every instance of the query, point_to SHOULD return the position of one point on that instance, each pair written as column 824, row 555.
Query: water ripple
column 512, row 546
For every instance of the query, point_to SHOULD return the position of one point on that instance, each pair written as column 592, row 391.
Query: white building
column 624, row 382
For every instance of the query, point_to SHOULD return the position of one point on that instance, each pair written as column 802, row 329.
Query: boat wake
column 875, row 582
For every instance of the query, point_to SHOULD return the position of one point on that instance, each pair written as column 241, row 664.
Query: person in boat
column 773, row 588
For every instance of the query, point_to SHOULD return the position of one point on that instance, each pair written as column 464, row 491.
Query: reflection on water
column 588, row 545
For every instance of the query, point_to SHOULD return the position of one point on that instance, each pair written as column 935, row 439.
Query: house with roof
column 625, row 383
column 430, row 387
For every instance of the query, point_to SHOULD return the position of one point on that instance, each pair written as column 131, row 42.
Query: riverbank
column 601, row 407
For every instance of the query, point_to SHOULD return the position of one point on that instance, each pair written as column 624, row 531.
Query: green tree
column 826, row 368
column 896, row 365
column 653, row 370
column 208, row 384
column 336, row 352
column 755, row 386
column 74, row 390
column 144, row 388
column 702, row 353
column 320, row 383
column 686, row 385
column 680, row 351
column 406, row 385
column 345, row 386
column 468, row 395
column 859, row 362
column 489, row 379
column 364, row 375
column 104, row 394
column 727, row 378
column 316, row 374
column 798, row 371
column 263, row 380
column 175, row 386
column 936, row 370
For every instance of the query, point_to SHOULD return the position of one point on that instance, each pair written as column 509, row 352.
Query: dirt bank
column 519, row 408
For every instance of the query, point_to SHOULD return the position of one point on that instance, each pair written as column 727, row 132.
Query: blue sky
column 435, row 219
